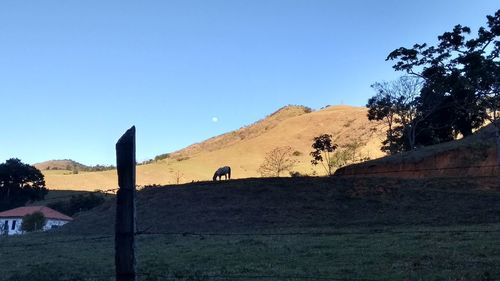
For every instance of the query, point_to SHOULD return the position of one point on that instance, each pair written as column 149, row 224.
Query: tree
column 20, row 183
column 33, row 222
column 461, row 80
column 277, row 161
column 323, row 148
column 396, row 105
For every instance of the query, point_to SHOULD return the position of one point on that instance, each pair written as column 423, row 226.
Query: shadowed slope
column 281, row 204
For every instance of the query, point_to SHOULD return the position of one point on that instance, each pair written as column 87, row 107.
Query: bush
column 295, row 174
column 33, row 222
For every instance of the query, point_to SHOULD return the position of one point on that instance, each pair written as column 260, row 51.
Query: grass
column 282, row 229
column 378, row 256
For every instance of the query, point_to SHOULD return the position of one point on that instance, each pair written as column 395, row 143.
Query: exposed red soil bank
column 475, row 156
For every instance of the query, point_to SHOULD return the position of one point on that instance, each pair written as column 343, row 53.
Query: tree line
column 448, row 90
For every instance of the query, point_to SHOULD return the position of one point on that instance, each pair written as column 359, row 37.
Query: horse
column 223, row 171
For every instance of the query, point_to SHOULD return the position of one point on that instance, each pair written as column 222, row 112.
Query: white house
column 11, row 220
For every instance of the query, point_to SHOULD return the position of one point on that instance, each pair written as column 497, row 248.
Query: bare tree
column 277, row 161
column 395, row 104
column 178, row 176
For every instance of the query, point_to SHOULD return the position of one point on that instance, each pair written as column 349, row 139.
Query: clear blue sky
column 74, row 75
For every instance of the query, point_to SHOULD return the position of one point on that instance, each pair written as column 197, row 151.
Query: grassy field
column 282, row 229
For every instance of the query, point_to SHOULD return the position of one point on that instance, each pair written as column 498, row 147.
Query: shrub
column 295, row 174
column 33, row 222
column 307, row 109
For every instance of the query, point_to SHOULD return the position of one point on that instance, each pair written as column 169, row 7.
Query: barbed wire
column 202, row 235
column 72, row 240
column 197, row 275
column 259, row 276
column 426, row 170
column 334, row 233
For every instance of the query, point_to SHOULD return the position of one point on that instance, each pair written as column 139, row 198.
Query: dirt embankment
column 454, row 163
column 475, row 156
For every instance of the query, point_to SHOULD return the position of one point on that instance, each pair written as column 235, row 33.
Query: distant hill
column 65, row 164
column 244, row 149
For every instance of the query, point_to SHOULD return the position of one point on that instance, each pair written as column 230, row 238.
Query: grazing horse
column 223, row 171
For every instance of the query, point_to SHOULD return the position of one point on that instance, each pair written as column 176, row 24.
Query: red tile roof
column 46, row 211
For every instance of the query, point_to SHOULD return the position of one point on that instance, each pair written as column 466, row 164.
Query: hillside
column 475, row 155
column 247, row 132
column 244, row 149
column 273, row 204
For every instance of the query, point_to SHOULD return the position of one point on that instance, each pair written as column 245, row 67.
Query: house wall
column 50, row 224
column 10, row 226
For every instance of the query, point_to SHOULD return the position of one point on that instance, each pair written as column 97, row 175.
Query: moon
column 215, row 119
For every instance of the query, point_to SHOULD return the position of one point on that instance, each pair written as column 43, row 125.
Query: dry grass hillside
column 244, row 149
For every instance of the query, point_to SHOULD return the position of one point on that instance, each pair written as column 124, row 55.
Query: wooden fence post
column 125, row 208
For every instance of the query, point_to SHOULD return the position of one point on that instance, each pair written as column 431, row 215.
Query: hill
column 244, row 149
column 65, row 164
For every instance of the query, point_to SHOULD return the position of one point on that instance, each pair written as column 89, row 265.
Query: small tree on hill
column 323, row 152
column 277, row 161
column 178, row 176
column 33, row 222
